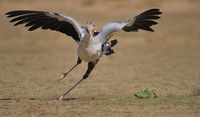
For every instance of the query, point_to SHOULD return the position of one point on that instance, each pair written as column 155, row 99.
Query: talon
column 62, row 77
column 66, row 73
column 61, row 97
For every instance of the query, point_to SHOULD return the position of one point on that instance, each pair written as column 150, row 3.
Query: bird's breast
column 89, row 51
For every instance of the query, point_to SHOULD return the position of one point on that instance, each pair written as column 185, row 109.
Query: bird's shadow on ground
column 69, row 99
column 36, row 99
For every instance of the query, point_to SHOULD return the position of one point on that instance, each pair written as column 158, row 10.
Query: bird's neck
column 87, row 36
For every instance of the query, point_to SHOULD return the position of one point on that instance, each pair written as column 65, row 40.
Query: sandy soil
column 166, row 61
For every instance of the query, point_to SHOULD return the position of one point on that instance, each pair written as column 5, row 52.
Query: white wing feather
column 143, row 21
column 109, row 29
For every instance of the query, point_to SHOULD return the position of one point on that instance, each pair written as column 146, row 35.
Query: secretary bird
column 92, row 45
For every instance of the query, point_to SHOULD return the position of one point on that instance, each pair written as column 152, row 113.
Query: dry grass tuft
column 196, row 91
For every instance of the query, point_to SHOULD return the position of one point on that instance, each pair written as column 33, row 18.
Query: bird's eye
column 94, row 25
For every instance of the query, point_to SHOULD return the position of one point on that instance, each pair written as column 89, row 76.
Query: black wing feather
column 38, row 24
column 49, row 24
column 20, row 12
column 144, row 21
column 40, row 19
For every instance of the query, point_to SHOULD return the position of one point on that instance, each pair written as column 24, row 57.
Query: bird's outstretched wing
column 47, row 20
column 143, row 21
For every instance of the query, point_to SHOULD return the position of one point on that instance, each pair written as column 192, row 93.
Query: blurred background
column 166, row 60
column 179, row 20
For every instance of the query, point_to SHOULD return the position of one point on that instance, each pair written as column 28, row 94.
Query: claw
column 62, row 77
column 66, row 73
column 60, row 98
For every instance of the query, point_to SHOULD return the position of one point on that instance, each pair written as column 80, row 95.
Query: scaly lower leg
column 66, row 73
column 91, row 66
column 61, row 97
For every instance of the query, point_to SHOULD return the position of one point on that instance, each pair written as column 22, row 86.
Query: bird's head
column 90, row 28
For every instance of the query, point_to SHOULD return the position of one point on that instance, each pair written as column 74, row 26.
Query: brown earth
column 166, row 61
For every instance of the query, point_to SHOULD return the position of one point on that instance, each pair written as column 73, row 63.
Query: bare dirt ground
column 166, row 61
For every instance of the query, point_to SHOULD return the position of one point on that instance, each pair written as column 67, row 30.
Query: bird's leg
column 91, row 66
column 66, row 73
column 62, row 96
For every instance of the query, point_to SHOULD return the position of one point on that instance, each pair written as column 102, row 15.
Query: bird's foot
column 67, row 72
column 63, row 76
column 60, row 98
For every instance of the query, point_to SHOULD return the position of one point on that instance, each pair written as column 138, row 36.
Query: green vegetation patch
column 147, row 93
column 172, row 99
